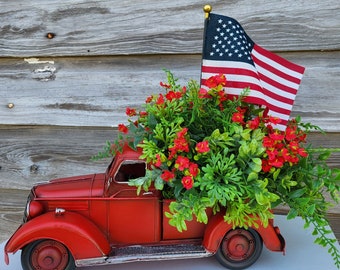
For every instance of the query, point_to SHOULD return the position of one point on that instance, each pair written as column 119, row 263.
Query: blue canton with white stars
column 226, row 40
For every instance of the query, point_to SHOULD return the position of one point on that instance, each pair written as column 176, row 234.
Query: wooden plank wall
column 70, row 92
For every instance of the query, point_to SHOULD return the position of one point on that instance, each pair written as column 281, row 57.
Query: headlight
column 33, row 209
column 29, row 198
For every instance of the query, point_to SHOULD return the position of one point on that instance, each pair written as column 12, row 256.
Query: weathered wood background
column 69, row 92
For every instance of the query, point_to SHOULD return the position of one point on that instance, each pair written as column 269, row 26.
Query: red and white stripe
column 273, row 82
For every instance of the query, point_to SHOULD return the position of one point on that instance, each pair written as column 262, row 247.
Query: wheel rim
column 50, row 255
column 238, row 245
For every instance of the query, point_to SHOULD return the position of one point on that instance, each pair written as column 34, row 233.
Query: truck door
column 133, row 219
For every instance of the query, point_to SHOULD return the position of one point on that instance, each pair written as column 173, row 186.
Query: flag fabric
column 273, row 80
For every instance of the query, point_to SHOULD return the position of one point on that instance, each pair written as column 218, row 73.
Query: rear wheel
column 239, row 249
column 46, row 255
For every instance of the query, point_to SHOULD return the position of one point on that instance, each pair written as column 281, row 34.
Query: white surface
column 301, row 254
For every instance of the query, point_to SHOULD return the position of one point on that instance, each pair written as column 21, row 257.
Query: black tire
column 239, row 249
column 46, row 255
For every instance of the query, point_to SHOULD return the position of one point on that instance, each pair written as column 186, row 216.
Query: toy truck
column 99, row 219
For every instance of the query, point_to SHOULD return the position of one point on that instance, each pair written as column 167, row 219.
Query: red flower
column 294, row 146
column 167, row 176
column 130, row 112
column 302, row 136
column 290, row 133
column 202, row 93
column 294, row 159
column 274, row 120
column 187, row 182
column 180, row 143
column 170, row 95
column 202, row 147
column 302, row 152
column 193, row 169
column 254, row 124
column 241, row 110
column 277, row 162
column 143, row 114
column 277, row 136
column 182, row 163
column 173, row 95
column 222, row 96
column 238, row 117
column 160, row 100
column 286, row 155
column 216, row 80
column 172, row 153
column 122, row 128
column 158, row 160
column 268, row 142
column 165, row 85
column 182, row 132
column 149, row 99
column 272, row 154
column 265, row 166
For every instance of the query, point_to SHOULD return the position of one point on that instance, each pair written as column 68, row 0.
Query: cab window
column 130, row 169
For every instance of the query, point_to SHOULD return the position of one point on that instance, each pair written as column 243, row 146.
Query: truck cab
column 100, row 219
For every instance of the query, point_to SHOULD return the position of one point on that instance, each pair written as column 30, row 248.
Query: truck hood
column 91, row 185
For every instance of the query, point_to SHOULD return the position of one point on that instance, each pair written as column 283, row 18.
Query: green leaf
column 276, row 203
column 311, row 209
column 292, row 214
column 297, row 193
column 258, row 135
column 261, row 199
column 246, row 134
column 244, row 151
column 276, row 174
column 256, row 165
column 159, row 183
column 324, row 156
column 306, row 225
column 168, row 215
column 152, row 121
column 253, row 146
column 183, row 225
column 202, row 216
column 252, row 176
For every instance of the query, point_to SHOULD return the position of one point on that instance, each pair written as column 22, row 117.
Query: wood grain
column 12, row 207
column 94, row 91
column 33, row 154
column 155, row 27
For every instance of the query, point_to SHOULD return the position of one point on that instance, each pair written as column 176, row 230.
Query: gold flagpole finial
column 207, row 9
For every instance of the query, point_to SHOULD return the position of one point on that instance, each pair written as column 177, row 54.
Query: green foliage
column 208, row 150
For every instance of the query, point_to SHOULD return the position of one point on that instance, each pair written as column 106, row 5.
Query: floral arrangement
column 211, row 151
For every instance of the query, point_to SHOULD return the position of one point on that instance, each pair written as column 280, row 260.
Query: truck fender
column 217, row 228
column 81, row 236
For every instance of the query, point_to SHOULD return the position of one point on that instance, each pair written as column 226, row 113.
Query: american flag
column 273, row 80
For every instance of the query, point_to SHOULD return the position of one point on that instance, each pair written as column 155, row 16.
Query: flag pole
column 207, row 9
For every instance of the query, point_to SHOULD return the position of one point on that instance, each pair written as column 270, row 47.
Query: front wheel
column 239, row 249
column 46, row 255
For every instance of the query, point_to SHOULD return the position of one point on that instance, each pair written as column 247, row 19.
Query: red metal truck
column 99, row 219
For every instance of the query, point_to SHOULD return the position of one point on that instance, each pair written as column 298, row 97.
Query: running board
column 147, row 253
